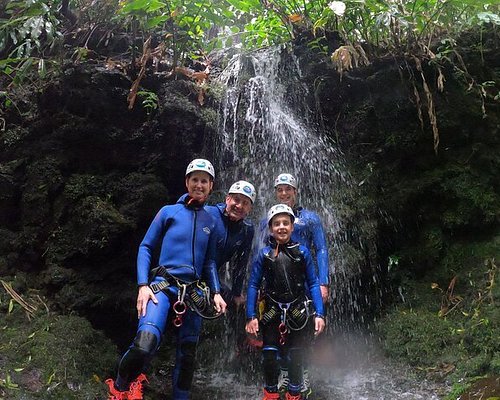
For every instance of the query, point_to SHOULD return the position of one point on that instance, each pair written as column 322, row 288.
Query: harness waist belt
column 158, row 287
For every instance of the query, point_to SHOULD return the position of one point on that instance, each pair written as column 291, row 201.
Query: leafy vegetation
column 31, row 32
column 448, row 327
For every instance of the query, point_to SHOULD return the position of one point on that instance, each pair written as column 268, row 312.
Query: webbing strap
column 158, row 287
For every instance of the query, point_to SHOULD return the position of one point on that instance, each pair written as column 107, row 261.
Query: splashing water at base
column 347, row 368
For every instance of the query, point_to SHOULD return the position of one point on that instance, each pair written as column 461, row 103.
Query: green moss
column 82, row 185
column 466, row 256
column 51, row 356
column 216, row 91
column 94, row 227
column 475, row 203
column 495, row 363
column 210, row 118
column 418, row 337
column 455, row 319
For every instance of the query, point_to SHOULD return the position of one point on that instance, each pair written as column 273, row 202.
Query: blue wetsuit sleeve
column 254, row 285
column 210, row 266
column 313, row 282
column 149, row 243
column 321, row 248
column 241, row 262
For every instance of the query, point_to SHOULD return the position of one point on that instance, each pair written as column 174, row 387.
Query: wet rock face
column 82, row 176
column 379, row 116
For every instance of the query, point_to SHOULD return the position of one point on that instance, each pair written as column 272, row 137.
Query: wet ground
column 343, row 369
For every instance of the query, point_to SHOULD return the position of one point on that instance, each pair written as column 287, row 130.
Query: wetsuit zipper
column 286, row 275
column 194, row 239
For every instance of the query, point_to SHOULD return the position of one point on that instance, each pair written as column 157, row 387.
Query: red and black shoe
column 289, row 396
column 135, row 391
column 115, row 394
column 271, row 395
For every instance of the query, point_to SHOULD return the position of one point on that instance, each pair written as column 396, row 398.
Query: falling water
column 262, row 135
column 266, row 128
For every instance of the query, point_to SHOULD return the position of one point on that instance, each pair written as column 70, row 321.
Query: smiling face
column 199, row 185
column 237, row 206
column 286, row 194
column 281, row 228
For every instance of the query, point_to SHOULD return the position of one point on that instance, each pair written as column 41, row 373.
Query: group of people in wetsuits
column 285, row 295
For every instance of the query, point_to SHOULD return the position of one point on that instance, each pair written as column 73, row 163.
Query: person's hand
column 239, row 300
column 219, row 303
column 252, row 326
column 145, row 294
column 319, row 325
column 324, row 293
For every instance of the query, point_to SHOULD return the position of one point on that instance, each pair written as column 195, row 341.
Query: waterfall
column 267, row 127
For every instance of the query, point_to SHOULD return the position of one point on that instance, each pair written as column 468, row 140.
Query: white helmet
column 285, row 179
column 245, row 188
column 200, row 164
column 279, row 209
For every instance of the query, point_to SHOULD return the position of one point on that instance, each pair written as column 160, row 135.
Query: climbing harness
column 195, row 295
column 293, row 315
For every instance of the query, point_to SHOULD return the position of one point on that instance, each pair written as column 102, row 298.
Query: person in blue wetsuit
column 308, row 231
column 234, row 232
column 185, row 232
column 289, row 276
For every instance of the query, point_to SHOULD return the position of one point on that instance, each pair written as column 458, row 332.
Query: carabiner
column 179, row 307
column 283, row 329
column 178, row 321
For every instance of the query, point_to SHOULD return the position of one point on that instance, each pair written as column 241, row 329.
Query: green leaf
column 135, row 5
column 156, row 21
column 11, row 306
column 228, row 14
column 23, row 70
column 242, row 5
column 155, row 5
column 144, row 6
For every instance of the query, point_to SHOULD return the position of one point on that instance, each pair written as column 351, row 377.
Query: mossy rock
column 418, row 337
column 47, row 355
column 93, row 228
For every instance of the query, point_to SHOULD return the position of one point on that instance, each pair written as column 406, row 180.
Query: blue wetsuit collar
column 189, row 202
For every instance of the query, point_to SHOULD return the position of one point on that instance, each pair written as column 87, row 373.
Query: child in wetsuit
column 288, row 273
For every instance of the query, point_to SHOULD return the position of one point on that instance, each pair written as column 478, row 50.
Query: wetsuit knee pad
column 142, row 350
column 146, row 342
column 270, row 353
column 187, row 365
column 270, row 365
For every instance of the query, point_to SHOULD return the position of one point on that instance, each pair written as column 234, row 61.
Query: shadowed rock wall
column 82, row 177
